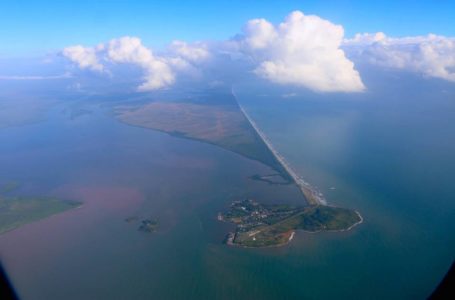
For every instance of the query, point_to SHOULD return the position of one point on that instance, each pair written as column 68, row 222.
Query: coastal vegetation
column 261, row 225
column 19, row 210
column 16, row 211
column 220, row 123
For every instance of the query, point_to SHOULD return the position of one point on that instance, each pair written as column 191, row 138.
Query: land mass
column 146, row 225
column 218, row 121
column 17, row 211
column 261, row 225
column 223, row 122
column 149, row 225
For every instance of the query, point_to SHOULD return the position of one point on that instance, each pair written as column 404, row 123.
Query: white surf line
column 292, row 236
column 316, row 197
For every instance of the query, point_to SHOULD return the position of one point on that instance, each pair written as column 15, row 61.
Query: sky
column 32, row 27
column 313, row 45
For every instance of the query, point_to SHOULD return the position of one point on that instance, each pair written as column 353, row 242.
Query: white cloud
column 187, row 58
column 158, row 73
column 129, row 50
column 84, row 57
column 303, row 50
column 195, row 53
column 159, row 70
column 430, row 55
column 362, row 39
column 259, row 34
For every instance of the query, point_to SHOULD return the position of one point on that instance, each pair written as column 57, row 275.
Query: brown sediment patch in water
column 50, row 243
column 100, row 205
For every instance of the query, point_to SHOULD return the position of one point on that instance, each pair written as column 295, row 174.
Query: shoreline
column 340, row 230
column 311, row 194
column 229, row 240
column 194, row 139
column 39, row 220
column 231, row 236
column 292, row 236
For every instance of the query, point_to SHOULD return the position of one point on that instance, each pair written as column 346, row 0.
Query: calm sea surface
column 395, row 165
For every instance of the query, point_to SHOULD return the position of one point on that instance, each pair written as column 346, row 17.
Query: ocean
column 388, row 155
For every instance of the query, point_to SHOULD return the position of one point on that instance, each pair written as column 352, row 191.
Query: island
column 260, row 225
column 148, row 225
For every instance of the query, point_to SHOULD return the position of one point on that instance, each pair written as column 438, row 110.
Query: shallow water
column 364, row 155
column 120, row 171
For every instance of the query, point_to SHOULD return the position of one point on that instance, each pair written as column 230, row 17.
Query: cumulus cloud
column 430, row 55
column 259, row 34
column 365, row 39
column 159, row 71
column 188, row 58
column 303, row 50
column 84, row 57
column 195, row 53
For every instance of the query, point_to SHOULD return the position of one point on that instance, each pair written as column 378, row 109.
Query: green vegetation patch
column 316, row 218
column 218, row 123
column 17, row 211
column 273, row 225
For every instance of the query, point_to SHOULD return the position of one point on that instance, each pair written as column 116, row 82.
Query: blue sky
column 34, row 27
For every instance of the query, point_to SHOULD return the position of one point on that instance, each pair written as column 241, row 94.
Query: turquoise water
column 388, row 155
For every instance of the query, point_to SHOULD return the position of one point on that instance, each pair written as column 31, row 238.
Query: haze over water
column 387, row 153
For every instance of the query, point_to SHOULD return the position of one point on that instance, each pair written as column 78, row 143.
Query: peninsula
column 20, row 210
column 17, row 210
column 220, row 120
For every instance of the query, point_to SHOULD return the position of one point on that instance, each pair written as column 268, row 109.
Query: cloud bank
column 159, row 71
column 304, row 50
column 431, row 55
